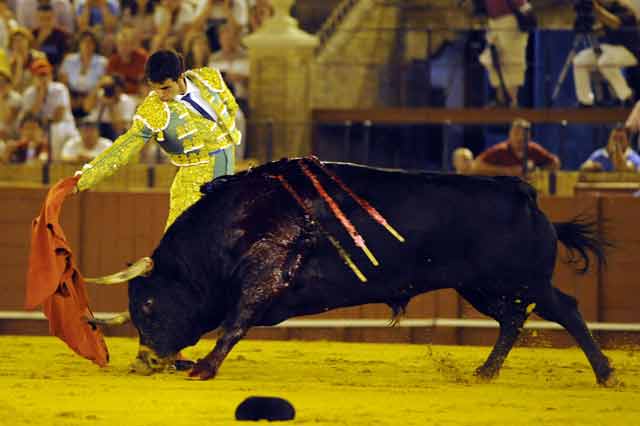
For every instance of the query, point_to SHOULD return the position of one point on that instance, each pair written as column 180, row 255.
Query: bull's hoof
column 610, row 381
column 140, row 367
column 486, row 373
column 203, row 370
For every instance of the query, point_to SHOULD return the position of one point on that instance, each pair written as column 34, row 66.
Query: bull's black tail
column 579, row 237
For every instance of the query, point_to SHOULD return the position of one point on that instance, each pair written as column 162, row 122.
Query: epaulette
column 210, row 77
column 153, row 113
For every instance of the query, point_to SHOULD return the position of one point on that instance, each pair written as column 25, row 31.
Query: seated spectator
column 48, row 38
column 462, row 159
column 128, row 61
column 211, row 14
column 82, row 71
column 86, row 146
column 506, row 158
column 21, row 57
column 110, row 107
column 99, row 16
column 10, row 100
column 31, row 145
column 49, row 101
column 196, row 51
column 617, row 156
column 233, row 63
column 138, row 14
column 27, row 14
column 172, row 21
column 259, row 12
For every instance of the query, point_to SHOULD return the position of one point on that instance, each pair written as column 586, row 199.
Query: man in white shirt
column 87, row 146
column 27, row 14
column 172, row 19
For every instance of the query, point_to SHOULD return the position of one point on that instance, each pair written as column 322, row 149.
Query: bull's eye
column 147, row 306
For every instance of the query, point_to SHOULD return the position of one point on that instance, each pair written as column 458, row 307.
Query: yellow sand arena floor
column 43, row 383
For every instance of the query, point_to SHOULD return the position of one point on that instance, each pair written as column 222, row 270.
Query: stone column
column 280, row 56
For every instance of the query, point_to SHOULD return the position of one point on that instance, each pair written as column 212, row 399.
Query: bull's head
column 162, row 312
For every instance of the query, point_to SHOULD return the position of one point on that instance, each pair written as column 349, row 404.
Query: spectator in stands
column 10, row 100
column 81, row 71
column 260, row 11
column 128, row 61
column 232, row 61
column 49, row 101
column 48, row 38
column 27, row 14
column 31, row 145
column 506, row 48
column 21, row 57
column 99, row 16
column 110, row 107
column 87, row 145
column 617, row 156
column 506, row 158
column 462, row 159
column 211, row 14
column 620, row 48
column 138, row 14
column 173, row 20
column 196, row 50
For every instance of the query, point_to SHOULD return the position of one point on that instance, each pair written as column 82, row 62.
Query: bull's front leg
column 207, row 367
column 266, row 271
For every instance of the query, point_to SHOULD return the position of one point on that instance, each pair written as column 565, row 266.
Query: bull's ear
column 142, row 267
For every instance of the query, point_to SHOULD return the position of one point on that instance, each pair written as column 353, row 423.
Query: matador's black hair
column 163, row 65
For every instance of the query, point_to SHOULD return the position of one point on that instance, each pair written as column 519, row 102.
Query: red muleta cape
column 54, row 281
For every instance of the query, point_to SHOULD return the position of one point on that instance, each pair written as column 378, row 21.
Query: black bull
column 247, row 255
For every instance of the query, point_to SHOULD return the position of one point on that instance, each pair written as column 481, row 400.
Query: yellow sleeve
column 120, row 153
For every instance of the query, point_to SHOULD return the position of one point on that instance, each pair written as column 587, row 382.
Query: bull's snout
column 148, row 362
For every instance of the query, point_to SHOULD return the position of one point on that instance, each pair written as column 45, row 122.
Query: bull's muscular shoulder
column 209, row 76
column 154, row 113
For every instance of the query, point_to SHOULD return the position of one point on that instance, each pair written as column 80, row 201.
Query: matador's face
column 169, row 89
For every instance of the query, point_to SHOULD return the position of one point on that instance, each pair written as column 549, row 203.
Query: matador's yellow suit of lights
column 201, row 148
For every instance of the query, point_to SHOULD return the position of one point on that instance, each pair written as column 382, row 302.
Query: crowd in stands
column 508, row 158
column 72, row 71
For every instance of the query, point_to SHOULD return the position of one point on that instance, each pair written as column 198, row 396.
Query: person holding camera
column 505, row 54
column 617, row 156
column 618, row 48
column 110, row 107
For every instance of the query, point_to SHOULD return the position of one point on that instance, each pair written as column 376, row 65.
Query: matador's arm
column 120, row 153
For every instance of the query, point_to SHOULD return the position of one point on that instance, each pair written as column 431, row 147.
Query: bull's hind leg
column 561, row 308
column 510, row 314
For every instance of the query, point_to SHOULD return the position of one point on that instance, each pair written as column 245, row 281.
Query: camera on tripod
column 585, row 18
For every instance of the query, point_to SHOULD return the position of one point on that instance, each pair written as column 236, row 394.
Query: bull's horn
column 140, row 267
column 120, row 319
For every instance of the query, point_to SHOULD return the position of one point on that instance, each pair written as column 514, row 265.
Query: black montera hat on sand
column 265, row 408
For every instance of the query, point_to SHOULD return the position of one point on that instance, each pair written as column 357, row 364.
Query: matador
column 191, row 115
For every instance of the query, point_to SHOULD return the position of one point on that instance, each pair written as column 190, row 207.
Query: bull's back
column 457, row 229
